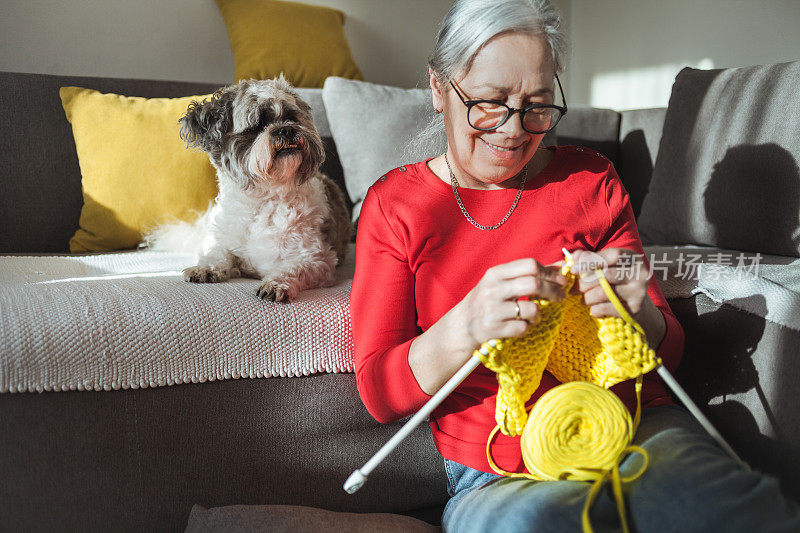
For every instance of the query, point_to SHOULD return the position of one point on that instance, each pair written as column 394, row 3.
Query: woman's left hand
column 629, row 277
column 625, row 271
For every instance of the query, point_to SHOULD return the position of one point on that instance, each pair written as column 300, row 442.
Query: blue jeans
column 689, row 485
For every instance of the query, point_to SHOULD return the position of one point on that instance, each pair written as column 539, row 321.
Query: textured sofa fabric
column 139, row 459
column 742, row 371
column 591, row 127
column 639, row 136
column 740, row 363
column 89, row 322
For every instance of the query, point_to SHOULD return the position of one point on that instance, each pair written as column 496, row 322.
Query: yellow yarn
column 591, row 427
column 569, row 343
column 573, row 424
column 577, row 430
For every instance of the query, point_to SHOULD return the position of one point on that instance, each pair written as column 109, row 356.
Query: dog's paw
column 275, row 291
column 202, row 274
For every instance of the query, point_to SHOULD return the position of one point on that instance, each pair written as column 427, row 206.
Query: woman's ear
column 437, row 94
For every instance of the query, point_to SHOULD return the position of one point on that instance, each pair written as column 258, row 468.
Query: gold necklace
column 454, row 184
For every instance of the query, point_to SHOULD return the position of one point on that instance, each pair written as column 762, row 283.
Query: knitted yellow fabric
column 578, row 430
column 569, row 343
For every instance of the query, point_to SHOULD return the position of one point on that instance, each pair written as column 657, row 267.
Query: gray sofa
column 141, row 458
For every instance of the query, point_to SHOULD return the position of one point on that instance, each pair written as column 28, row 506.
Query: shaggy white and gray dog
column 276, row 217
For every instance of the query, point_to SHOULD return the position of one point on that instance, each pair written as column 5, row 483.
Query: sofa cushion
column 727, row 173
column 306, row 43
column 372, row 125
column 741, row 369
column 39, row 162
column 291, row 518
column 739, row 314
column 639, row 135
column 137, row 172
column 590, row 127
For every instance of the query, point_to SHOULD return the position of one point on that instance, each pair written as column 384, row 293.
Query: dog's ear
column 206, row 122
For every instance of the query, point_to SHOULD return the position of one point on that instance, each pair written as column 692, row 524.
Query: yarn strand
column 578, row 430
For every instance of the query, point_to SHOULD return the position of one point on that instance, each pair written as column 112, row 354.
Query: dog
column 276, row 218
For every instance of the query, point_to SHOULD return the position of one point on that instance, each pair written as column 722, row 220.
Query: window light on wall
column 640, row 87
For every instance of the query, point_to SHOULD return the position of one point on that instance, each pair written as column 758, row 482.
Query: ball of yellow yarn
column 574, row 431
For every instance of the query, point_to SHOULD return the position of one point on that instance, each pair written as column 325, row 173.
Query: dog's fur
column 276, row 217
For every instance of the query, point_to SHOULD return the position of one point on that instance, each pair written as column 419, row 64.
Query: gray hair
column 465, row 29
column 470, row 24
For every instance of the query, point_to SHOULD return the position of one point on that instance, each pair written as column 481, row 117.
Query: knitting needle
column 359, row 477
column 698, row 414
column 690, row 405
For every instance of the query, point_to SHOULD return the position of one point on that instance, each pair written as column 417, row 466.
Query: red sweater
column 417, row 257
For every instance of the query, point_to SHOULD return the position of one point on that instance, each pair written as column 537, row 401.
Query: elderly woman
column 448, row 249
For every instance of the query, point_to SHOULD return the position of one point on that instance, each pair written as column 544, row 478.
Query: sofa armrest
column 741, row 370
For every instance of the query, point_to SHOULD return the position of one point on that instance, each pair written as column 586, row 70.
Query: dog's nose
column 287, row 132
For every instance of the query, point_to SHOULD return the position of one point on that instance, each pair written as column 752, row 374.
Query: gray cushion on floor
column 727, row 165
column 297, row 518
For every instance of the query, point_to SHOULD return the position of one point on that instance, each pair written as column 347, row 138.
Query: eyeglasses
column 488, row 115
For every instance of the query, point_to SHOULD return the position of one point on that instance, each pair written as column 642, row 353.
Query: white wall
column 391, row 39
column 187, row 39
column 626, row 52
column 172, row 40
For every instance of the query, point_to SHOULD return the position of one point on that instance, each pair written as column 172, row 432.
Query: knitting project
column 569, row 343
column 578, row 430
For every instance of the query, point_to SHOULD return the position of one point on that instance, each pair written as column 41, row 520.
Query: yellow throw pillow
column 136, row 171
column 306, row 43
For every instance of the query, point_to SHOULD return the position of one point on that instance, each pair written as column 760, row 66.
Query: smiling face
column 516, row 69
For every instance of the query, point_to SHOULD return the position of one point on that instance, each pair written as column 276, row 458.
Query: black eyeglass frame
column 510, row 110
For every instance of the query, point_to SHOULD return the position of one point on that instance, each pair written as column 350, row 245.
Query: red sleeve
column 620, row 231
column 383, row 313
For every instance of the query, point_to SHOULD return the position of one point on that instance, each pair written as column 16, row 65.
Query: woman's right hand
column 488, row 311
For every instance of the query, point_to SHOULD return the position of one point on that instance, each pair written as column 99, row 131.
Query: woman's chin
column 499, row 170
column 498, row 176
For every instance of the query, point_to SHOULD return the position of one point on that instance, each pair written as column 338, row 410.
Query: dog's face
column 258, row 132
